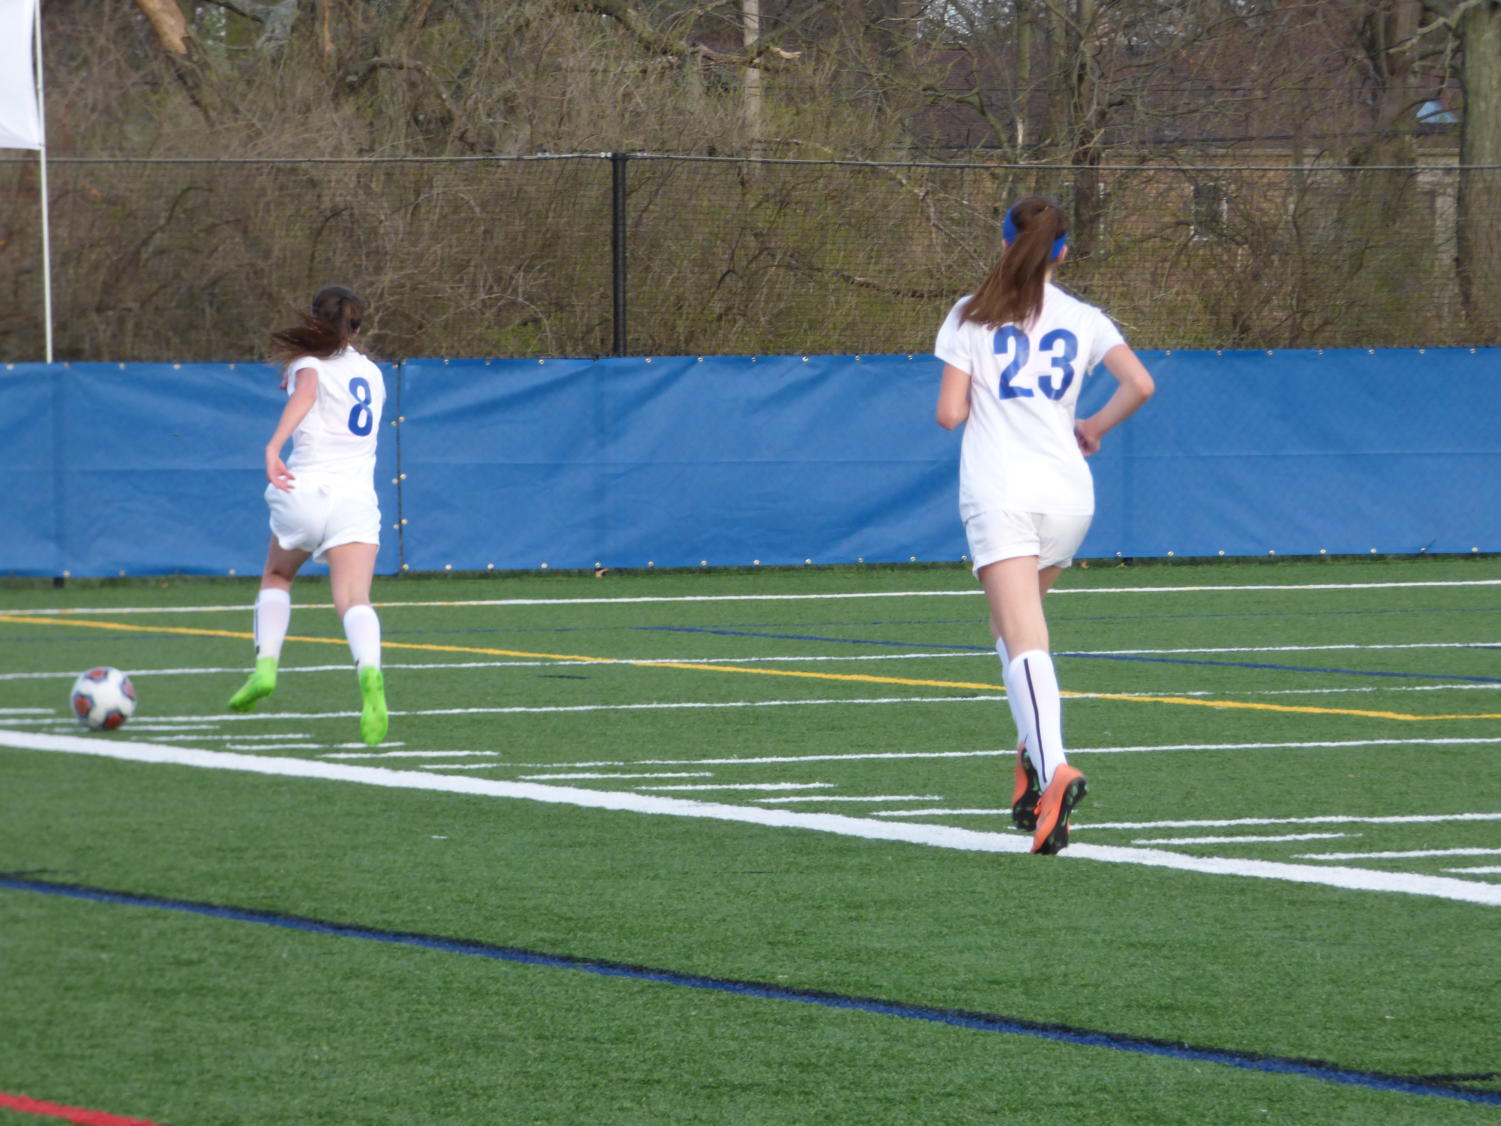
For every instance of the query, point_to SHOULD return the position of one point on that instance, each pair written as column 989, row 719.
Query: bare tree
column 1475, row 30
column 1132, row 111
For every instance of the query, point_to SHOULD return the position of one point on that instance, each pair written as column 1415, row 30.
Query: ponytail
column 329, row 325
column 1036, row 231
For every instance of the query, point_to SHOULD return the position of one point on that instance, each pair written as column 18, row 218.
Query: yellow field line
column 859, row 678
column 1294, row 709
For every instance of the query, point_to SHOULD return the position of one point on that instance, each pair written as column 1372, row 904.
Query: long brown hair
column 330, row 323
column 1012, row 292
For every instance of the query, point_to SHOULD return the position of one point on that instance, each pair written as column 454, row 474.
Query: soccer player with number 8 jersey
column 1015, row 353
column 322, row 499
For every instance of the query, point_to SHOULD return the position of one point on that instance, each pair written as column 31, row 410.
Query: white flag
column 20, row 124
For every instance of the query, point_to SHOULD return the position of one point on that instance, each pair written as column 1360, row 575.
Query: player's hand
column 1088, row 440
column 278, row 474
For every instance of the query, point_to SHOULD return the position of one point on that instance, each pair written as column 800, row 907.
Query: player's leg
column 1024, row 788
column 1014, row 590
column 272, row 617
column 1002, row 539
column 1012, row 593
column 1067, row 786
column 1026, row 791
column 351, row 568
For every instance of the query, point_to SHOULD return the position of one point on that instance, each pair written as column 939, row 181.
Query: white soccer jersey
column 337, row 436
column 1019, row 452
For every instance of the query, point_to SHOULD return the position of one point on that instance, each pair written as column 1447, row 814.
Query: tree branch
column 359, row 76
column 167, row 21
column 764, row 55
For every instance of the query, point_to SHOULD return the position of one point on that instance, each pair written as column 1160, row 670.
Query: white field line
column 1482, row 870
column 239, row 737
column 761, row 760
column 1242, row 839
column 1278, row 649
column 832, row 797
column 1366, row 689
column 768, row 787
column 410, row 754
column 272, row 746
column 1334, row 819
column 855, row 756
column 189, row 730
column 464, row 765
column 268, row 716
column 585, row 774
column 933, row 836
column 973, row 592
column 1413, row 854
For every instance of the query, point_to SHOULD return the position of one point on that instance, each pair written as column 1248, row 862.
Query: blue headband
column 1009, row 233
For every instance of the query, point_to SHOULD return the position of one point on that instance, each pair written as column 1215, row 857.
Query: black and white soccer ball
column 103, row 698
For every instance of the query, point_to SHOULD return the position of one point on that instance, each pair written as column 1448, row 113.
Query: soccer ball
column 103, row 699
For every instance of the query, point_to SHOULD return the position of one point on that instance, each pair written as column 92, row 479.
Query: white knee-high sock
column 1011, row 699
column 273, row 617
column 1041, row 707
column 362, row 627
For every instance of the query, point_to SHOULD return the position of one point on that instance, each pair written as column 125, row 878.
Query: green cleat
column 262, row 683
column 373, row 710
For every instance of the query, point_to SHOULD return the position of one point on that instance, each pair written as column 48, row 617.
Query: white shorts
column 997, row 535
column 317, row 515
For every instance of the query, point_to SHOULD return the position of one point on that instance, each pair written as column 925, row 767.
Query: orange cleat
column 1066, row 790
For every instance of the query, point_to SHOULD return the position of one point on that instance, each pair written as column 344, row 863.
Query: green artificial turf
column 182, row 1018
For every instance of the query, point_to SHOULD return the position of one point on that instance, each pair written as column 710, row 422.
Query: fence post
column 618, row 248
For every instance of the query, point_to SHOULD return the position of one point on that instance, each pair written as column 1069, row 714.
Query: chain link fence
column 594, row 254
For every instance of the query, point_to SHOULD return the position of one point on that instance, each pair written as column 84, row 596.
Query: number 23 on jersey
column 1014, row 349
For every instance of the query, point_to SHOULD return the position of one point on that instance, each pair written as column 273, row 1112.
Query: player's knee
column 278, row 575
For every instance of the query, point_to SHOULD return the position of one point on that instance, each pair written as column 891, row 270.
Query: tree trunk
column 1075, row 116
column 1026, row 37
column 1479, row 204
column 750, row 13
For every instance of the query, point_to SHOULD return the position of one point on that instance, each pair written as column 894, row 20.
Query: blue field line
column 1083, row 656
column 978, row 1021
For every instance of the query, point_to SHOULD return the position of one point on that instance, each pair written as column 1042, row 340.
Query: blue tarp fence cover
column 139, row 469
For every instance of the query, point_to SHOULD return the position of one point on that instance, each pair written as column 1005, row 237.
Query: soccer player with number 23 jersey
column 1015, row 353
